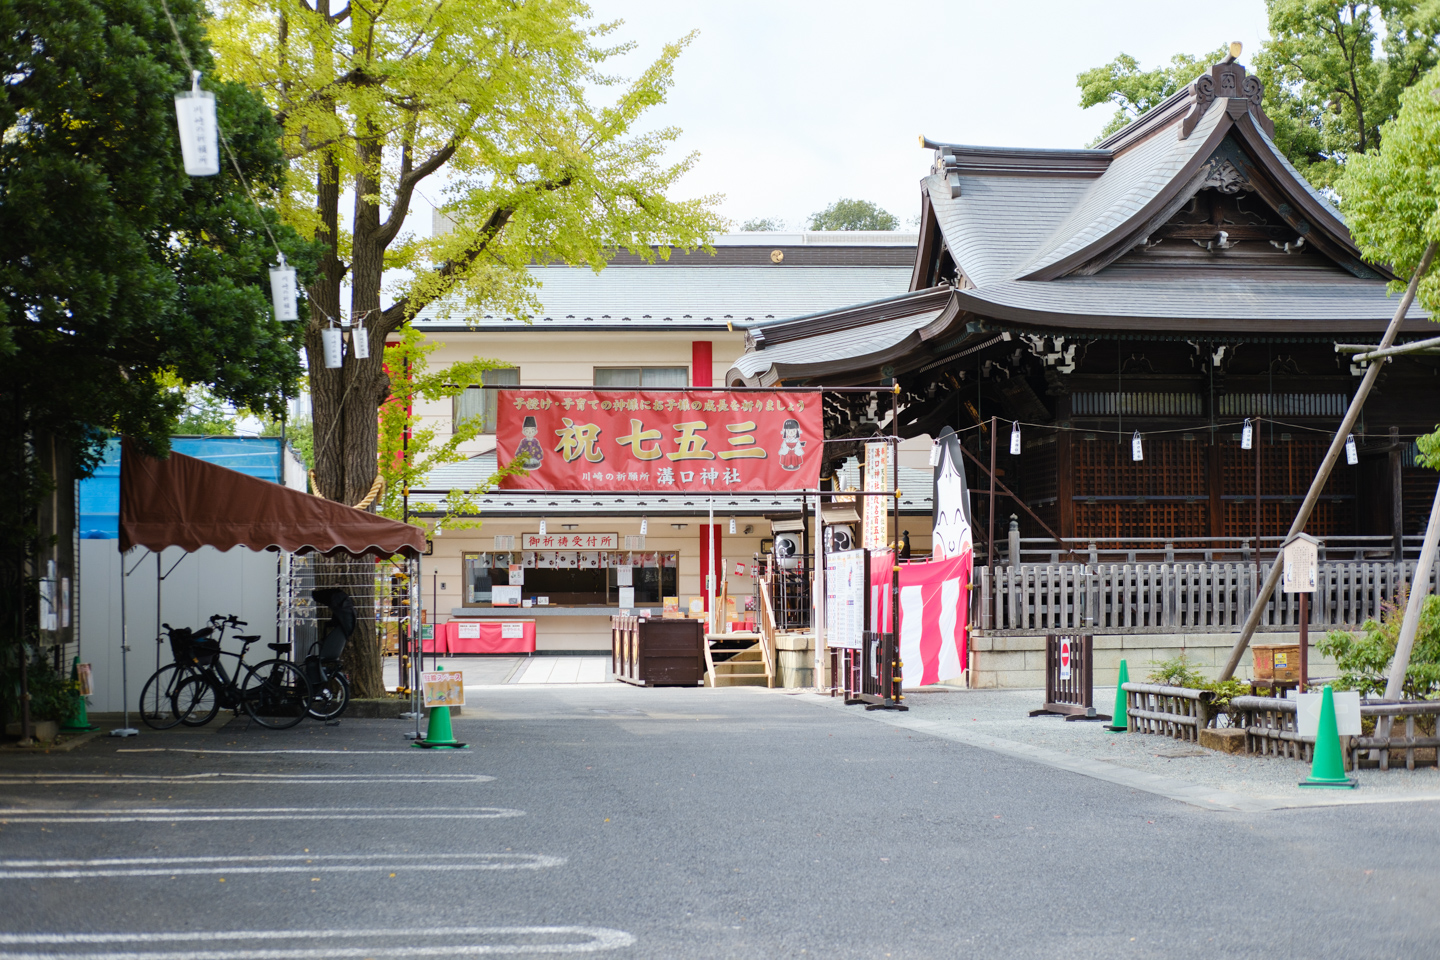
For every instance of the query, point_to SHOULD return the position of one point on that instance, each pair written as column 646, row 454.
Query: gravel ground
column 1004, row 714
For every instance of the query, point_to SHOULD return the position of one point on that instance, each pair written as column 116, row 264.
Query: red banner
column 708, row 441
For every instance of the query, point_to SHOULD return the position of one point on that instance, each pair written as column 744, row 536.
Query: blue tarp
column 100, row 493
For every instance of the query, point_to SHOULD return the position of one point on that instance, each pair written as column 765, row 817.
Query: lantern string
column 224, row 140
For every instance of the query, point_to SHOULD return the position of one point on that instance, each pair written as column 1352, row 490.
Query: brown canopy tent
column 189, row 503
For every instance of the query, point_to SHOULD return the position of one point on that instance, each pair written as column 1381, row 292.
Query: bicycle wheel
column 329, row 698
column 196, row 701
column 157, row 697
column 275, row 694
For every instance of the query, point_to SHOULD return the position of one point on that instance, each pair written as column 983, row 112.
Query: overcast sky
column 795, row 103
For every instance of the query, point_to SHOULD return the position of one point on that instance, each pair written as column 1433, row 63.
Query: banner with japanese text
column 660, row 440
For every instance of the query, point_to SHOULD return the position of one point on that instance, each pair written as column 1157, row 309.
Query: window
column 642, row 376
column 582, row 579
column 479, row 402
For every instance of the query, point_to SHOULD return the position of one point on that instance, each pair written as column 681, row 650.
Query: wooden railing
column 1032, row 599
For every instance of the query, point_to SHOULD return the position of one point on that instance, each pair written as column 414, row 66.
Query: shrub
column 1178, row 671
column 1364, row 658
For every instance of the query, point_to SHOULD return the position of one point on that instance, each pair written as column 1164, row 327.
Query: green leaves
column 853, row 215
column 1134, row 91
column 1364, row 658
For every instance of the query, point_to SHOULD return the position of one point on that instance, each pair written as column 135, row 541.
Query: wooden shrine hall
column 1176, row 280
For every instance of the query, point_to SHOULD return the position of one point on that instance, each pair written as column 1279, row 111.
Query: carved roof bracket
column 1239, row 92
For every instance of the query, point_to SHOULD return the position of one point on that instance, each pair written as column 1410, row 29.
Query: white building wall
column 240, row 581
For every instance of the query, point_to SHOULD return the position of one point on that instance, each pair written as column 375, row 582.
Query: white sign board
column 569, row 541
column 1347, row 713
column 846, row 579
column 627, row 597
column 505, row 596
column 467, row 631
column 876, row 527
column 512, row 630
column 624, row 577
column 1301, row 555
column 1065, row 657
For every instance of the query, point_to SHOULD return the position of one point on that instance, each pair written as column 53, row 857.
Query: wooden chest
column 1277, row 661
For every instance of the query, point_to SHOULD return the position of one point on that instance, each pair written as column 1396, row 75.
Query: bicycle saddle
column 250, row 639
column 279, row 647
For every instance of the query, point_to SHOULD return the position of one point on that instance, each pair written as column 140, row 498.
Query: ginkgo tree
column 489, row 107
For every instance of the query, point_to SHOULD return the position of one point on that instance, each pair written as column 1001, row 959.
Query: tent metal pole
column 126, row 730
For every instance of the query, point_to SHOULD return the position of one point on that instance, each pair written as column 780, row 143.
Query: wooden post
column 1322, row 476
column 1397, row 496
column 1304, row 640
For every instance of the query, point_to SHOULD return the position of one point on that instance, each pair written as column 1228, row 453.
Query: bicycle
column 275, row 693
column 192, row 650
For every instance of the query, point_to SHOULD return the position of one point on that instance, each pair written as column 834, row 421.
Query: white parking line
column 191, row 814
column 393, row 753
column 270, row 864
column 479, row 941
column 36, row 779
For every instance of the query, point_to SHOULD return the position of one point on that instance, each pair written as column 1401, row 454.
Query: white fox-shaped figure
column 953, row 530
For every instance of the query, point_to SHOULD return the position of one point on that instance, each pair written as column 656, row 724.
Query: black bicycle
column 273, row 693
column 191, row 650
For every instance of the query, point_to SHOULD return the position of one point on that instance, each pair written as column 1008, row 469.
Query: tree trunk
column 346, row 400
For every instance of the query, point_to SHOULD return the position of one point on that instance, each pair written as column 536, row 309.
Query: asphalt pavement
column 684, row 823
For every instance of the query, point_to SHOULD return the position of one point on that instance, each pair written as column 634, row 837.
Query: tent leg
column 126, row 730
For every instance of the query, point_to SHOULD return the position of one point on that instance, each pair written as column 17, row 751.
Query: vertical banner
column 933, row 617
column 691, row 440
column 876, row 535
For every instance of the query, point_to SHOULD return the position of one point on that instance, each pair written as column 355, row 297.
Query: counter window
column 572, row 578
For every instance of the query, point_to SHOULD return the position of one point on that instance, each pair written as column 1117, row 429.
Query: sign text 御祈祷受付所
column 693, row 440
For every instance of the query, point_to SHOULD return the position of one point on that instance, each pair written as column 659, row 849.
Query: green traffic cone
column 79, row 721
column 1328, row 767
column 1121, row 721
column 439, row 734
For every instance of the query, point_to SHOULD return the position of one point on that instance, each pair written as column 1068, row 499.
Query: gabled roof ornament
column 1228, row 81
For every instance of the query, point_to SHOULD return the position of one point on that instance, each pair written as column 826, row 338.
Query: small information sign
column 443, row 689
column 846, row 582
column 1065, row 658
column 1347, row 713
column 468, row 630
column 512, row 630
column 1301, row 555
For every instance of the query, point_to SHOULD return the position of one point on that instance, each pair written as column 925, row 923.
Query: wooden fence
column 1031, row 599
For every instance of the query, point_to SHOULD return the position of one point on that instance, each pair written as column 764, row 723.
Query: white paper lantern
column 644, row 526
column 732, row 526
column 934, row 452
column 1352, row 456
column 360, row 342
column 1247, row 435
column 284, row 291
column 199, row 132
column 1137, row 451
column 333, row 340
column 1015, row 439
column 787, row 551
column 839, row 537
column 542, row 528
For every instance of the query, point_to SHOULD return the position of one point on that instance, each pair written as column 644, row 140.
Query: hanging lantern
column 1137, row 450
column 360, row 343
column 1247, row 435
column 934, row 452
column 1352, row 456
column 199, row 133
column 644, row 526
column 283, row 291
column 732, row 526
column 542, row 527
column 1015, row 439
column 333, row 341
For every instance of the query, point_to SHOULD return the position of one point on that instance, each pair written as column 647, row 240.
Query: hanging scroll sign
column 284, row 291
column 199, row 132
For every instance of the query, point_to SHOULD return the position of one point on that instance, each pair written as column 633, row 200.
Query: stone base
column 1226, row 741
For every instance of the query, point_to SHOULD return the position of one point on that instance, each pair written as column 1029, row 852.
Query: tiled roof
column 680, row 297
